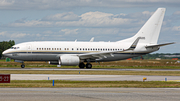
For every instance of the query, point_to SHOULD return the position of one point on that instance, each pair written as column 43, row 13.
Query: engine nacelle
column 68, row 60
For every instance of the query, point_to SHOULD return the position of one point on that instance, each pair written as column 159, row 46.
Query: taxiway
column 89, row 94
column 77, row 69
column 80, row 77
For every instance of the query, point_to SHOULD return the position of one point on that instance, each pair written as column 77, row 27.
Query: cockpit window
column 14, row 48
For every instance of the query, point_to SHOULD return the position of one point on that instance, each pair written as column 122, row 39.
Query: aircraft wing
column 159, row 45
column 101, row 55
column 97, row 55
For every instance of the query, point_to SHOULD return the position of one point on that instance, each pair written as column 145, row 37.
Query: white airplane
column 77, row 53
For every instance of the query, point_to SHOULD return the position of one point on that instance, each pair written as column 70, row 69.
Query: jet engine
column 69, row 60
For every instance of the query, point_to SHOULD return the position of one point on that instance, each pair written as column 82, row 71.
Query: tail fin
column 151, row 29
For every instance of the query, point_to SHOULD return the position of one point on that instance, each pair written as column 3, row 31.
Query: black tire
column 88, row 66
column 22, row 66
column 81, row 65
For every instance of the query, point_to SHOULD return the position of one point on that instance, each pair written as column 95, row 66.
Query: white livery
column 77, row 53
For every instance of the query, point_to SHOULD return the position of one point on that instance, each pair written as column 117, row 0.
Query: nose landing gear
column 23, row 65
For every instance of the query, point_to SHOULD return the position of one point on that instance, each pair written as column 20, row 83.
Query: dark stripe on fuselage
column 66, row 53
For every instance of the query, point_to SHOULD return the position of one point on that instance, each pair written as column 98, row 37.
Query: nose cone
column 5, row 53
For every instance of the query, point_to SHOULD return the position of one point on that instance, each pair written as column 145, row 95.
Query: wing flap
column 101, row 55
column 97, row 55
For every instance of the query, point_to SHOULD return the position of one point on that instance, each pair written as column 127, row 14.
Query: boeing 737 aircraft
column 78, row 53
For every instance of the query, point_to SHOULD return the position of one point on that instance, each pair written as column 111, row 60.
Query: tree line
column 6, row 45
column 159, row 55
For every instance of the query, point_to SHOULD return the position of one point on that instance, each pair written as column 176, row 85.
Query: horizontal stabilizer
column 159, row 45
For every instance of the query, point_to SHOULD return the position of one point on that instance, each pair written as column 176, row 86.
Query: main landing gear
column 82, row 65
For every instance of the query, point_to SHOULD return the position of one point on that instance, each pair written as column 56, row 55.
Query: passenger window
column 37, row 48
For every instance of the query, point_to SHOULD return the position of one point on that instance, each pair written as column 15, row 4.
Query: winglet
column 133, row 46
column 92, row 39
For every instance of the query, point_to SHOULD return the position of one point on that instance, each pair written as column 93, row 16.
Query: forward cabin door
column 29, row 49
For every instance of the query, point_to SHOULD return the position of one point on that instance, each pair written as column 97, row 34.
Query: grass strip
column 159, row 73
column 94, row 67
column 124, row 64
column 89, row 84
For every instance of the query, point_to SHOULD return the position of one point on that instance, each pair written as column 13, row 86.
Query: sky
column 68, row 20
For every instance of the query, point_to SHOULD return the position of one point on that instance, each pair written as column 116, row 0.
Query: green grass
column 90, row 84
column 124, row 64
column 94, row 66
column 87, row 72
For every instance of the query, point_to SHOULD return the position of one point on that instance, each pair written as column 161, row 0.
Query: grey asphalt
column 92, row 77
column 77, row 69
column 89, row 94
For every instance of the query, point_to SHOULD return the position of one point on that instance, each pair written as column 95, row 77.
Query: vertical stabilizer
column 151, row 29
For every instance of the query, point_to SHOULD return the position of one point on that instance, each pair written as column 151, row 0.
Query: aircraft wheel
column 22, row 66
column 88, row 66
column 81, row 65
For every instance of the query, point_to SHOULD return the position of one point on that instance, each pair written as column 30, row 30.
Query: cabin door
column 29, row 48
